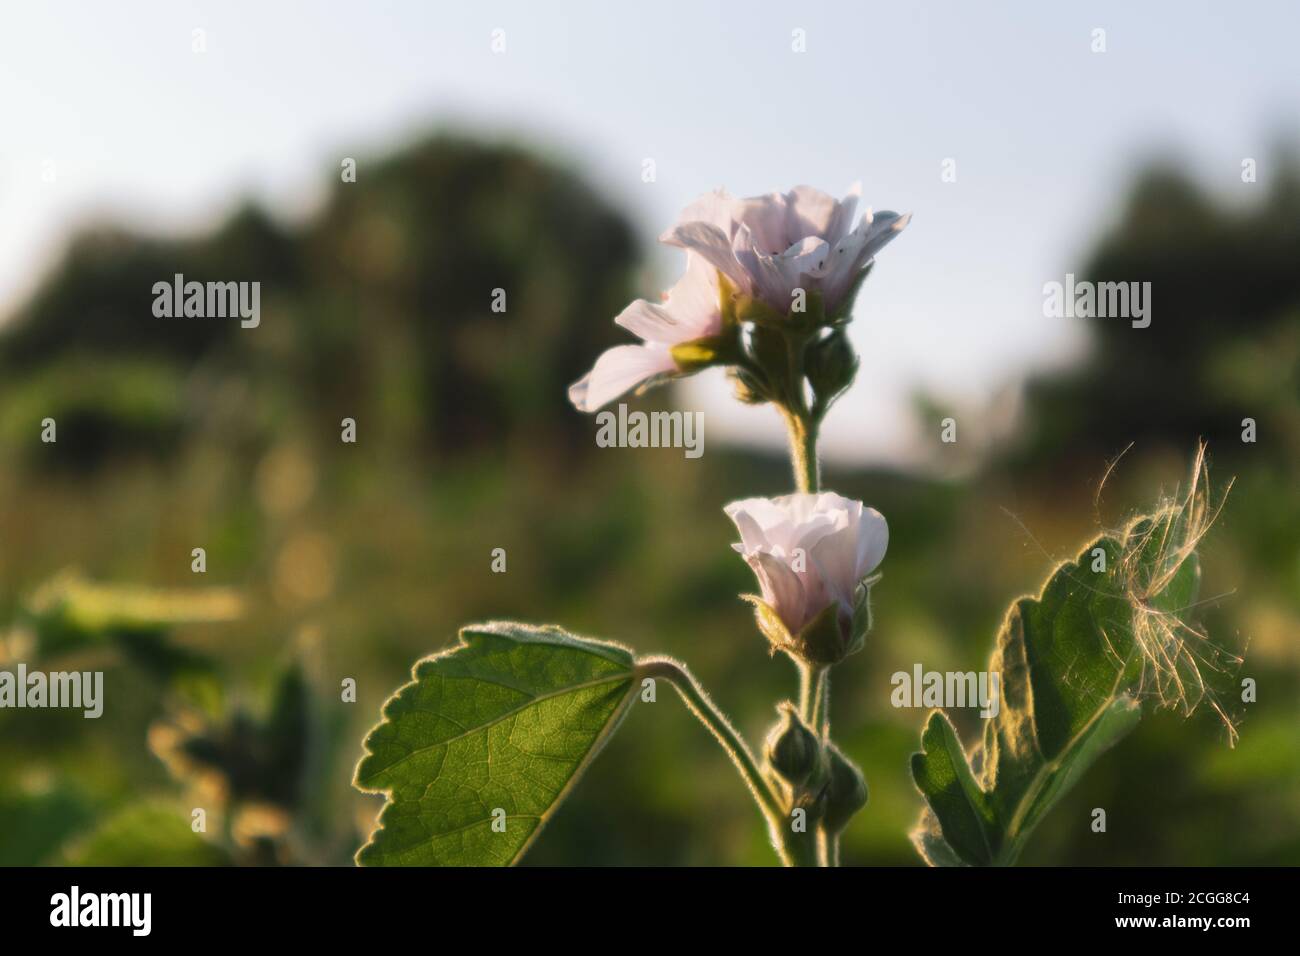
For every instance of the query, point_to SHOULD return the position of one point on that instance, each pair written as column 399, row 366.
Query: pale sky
column 1045, row 134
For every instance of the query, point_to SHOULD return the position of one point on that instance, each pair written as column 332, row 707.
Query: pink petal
column 713, row 246
column 781, row 589
column 873, row 541
column 617, row 371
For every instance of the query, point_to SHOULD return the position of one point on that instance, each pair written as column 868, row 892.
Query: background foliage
column 354, row 560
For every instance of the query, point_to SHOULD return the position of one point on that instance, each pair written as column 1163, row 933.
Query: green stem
column 814, row 706
column 699, row 703
column 801, row 422
column 805, row 688
column 803, row 451
column 802, row 849
column 821, row 724
column 819, row 718
column 814, row 696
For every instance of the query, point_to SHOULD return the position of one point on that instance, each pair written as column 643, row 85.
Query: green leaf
column 1072, row 663
column 505, row 722
column 155, row 832
column 945, row 778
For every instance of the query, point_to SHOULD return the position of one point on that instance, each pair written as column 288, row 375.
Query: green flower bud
column 846, row 791
column 792, row 749
column 831, row 365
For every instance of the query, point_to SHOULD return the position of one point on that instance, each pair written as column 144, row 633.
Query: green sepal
column 770, row 624
column 846, row 791
column 822, row 641
column 861, row 614
column 751, row 309
column 813, row 317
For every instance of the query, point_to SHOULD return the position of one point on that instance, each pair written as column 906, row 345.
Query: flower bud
column 846, row 791
column 831, row 365
column 792, row 749
column 812, row 554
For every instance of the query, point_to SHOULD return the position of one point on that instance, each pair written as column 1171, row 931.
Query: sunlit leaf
column 475, row 754
column 1074, row 664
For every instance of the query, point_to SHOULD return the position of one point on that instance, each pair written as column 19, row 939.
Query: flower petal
column 885, row 225
column 715, row 208
column 713, row 246
column 834, row 559
column 873, row 541
column 767, row 219
column 619, row 370
column 809, row 212
column 782, row 589
column 852, row 254
column 651, row 322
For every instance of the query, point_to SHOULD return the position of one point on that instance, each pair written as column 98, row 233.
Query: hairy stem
column 819, row 713
column 803, row 450
column 706, row 712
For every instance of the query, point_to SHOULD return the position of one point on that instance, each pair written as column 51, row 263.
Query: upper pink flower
column 771, row 245
column 766, row 246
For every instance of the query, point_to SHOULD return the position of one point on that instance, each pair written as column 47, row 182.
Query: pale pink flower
column 766, row 246
column 771, row 245
column 809, row 551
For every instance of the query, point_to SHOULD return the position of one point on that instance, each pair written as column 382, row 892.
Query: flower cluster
column 769, row 284
column 795, row 260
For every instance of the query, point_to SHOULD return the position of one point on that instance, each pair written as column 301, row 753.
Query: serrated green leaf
column 1070, row 663
column 507, row 721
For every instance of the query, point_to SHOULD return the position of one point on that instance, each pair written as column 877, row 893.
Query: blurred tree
column 1223, row 343
column 382, row 302
column 423, row 241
